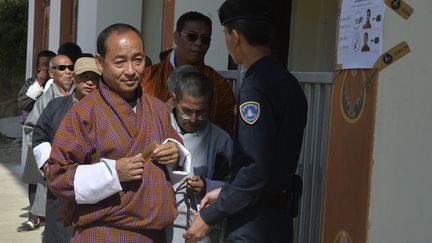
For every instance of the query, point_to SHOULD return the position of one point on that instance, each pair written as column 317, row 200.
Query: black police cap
column 232, row 10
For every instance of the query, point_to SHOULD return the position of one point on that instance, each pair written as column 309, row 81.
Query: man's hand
column 196, row 185
column 130, row 168
column 210, row 197
column 45, row 168
column 198, row 230
column 166, row 154
column 42, row 77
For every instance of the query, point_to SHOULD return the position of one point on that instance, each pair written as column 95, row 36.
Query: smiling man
column 192, row 38
column 113, row 192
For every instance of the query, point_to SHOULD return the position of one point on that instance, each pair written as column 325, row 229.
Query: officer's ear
column 173, row 97
column 176, row 37
column 234, row 36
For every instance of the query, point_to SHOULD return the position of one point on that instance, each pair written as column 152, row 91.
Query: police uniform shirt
column 270, row 122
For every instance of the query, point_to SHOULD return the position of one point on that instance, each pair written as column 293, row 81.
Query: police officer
column 258, row 201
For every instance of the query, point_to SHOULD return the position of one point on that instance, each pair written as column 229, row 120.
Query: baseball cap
column 233, row 10
column 85, row 64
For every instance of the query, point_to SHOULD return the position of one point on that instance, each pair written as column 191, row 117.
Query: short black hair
column 44, row 53
column 193, row 16
column 164, row 54
column 70, row 49
column 87, row 55
column 252, row 18
column 187, row 79
column 119, row 28
column 256, row 32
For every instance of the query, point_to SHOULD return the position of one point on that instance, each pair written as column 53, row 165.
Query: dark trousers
column 55, row 231
column 31, row 197
column 258, row 225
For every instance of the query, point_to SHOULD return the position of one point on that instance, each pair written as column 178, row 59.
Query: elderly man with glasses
column 61, row 70
column 210, row 147
column 192, row 38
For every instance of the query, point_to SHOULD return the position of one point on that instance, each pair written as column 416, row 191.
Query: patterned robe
column 103, row 125
column 222, row 108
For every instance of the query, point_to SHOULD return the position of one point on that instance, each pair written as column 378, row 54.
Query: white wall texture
column 54, row 25
column 401, row 198
column 152, row 13
column 87, row 25
column 96, row 15
column 30, row 33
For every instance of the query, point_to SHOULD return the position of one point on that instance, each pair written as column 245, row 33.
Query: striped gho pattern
column 103, row 125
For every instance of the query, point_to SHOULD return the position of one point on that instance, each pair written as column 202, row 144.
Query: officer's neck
column 252, row 54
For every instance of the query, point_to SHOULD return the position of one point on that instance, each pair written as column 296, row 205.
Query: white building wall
column 217, row 55
column 401, row 196
column 152, row 13
column 114, row 11
column 30, row 33
column 87, row 25
column 54, row 25
column 96, row 15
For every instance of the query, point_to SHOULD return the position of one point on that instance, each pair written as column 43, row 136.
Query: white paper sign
column 360, row 33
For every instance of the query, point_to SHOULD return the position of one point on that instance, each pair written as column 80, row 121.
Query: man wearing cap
column 86, row 78
column 258, row 201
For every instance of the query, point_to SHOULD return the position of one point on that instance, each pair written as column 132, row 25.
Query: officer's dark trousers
column 260, row 225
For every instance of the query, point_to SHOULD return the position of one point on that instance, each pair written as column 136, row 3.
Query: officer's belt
column 269, row 199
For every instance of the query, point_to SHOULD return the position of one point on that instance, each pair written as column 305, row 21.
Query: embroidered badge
column 250, row 111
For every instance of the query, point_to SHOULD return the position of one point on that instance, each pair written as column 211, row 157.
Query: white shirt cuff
column 184, row 162
column 42, row 153
column 95, row 182
column 34, row 91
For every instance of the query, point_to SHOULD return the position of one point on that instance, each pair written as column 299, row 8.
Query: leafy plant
column 13, row 44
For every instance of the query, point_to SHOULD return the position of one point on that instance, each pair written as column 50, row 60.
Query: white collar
column 172, row 58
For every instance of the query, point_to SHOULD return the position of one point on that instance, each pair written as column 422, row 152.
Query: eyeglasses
column 61, row 68
column 199, row 115
column 192, row 37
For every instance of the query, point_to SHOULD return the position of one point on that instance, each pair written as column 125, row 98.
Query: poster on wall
column 360, row 33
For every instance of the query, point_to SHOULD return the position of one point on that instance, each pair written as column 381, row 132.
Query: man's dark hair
column 256, row 32
column 193, row 16
column 188, row 80
column 70, row 49
column 87, row 55
column 44, row 53
column 164, row 54
column 118, row 28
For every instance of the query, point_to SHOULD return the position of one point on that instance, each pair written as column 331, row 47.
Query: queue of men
column 132, row 153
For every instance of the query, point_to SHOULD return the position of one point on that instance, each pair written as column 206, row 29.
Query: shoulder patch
column 250, row 111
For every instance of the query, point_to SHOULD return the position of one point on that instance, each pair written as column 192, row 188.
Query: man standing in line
column 209, row 145
column 61, row 70
column 192, row 38
column 27, row 96
column 116, row 191
column 86, row 79
column 258, row 202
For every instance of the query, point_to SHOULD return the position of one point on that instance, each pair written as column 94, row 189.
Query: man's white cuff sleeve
column 42, row 153
column 184, row 162
column 34, row 91
column 95, row 182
